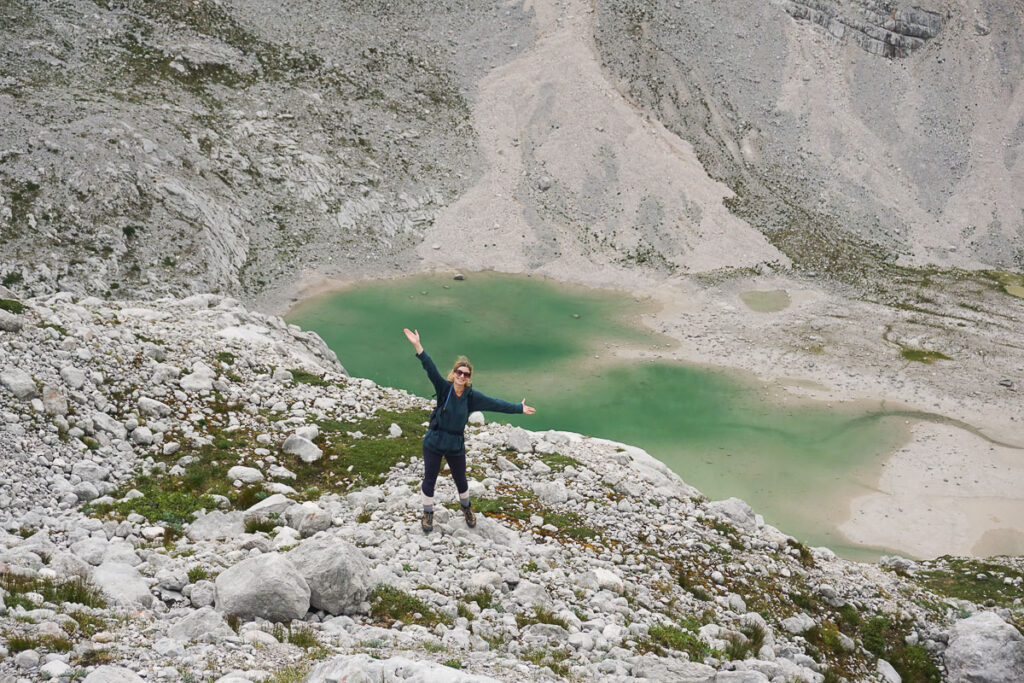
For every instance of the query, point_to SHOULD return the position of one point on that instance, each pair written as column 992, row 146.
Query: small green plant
column 302, row 637
column 196, row 574
column 262, row 524
column 226, row 357
column 12, row 306
column 233, row 621
column 95, row 656
column 363, row 517
column 453, row 663
column 77, row 591
column 806, row 557
column 20, row 643
column 11, row 278
column 483, row 598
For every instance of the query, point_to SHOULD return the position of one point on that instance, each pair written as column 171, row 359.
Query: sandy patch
column 947, row 492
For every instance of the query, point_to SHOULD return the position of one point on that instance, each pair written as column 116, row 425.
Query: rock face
column 872, row 25
column 339, row 576
column 985, row 648
column 267, row 586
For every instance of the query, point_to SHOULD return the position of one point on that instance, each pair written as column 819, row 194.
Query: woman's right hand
column 414, row 338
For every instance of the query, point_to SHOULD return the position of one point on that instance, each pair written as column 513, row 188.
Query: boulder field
column 194, row 491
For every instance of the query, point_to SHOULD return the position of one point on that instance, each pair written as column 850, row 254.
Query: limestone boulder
column 203, row 625
column 267, row 586
column 122, row 584
column 302, row 447
column 985, row 648
column 112, row 674
column 338, row 574
column 734, row 511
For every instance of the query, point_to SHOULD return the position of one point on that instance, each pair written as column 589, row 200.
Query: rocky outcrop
column 880, row 27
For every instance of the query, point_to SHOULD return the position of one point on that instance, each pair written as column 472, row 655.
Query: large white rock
column 150, row 406
column 112, row 674
column 302, row 447
column 985, row 648
column 19, row 383
column 109, row 425
column 206, row 625
column 246, row 475
column 338, row 574
column 267, row 586
column 735, row 511
column 90, row 471
column 551, row 492
column 308, row 518
column 122, row 584
column 363, row 667
column 216, row 525
column 72, row 376
column 269, row 508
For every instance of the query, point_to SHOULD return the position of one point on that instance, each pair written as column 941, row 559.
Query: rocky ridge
column 193, row 491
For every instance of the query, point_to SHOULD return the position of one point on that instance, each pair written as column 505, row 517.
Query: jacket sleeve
column 439, row 382
column 480, row 401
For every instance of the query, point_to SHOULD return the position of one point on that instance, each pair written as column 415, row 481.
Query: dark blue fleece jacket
column 454, row 411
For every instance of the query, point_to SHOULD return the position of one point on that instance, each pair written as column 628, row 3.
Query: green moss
column 557, row 462
column 922, row 355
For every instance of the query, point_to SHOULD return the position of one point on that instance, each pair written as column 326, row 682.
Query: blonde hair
column 461, row 362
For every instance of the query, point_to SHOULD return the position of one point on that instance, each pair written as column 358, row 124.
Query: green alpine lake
column 797, row 463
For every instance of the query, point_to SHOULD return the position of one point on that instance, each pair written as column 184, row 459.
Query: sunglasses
column 462, row 373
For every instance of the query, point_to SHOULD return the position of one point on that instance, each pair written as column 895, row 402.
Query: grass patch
column 569, row 525
column 225, row 357
column 557, row 462
column 12, row 306
column 662, row 637
column 541, row 615
column 806, row 557
column 959, row 578
column 19, row 643
column 303, row 377
column 552, row 658
column 93, row 657
column 77, row 591
column 389, row 604
column 453, row 663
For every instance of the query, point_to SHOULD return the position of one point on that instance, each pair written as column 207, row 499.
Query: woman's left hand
column 527, row 410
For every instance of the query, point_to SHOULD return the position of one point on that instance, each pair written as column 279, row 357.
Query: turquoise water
column 797, row 464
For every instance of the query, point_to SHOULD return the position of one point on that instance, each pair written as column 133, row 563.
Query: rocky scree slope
column 153, row 148
column 851, row 132
column 193, row 491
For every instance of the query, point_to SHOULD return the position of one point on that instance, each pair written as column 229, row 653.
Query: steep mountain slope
column 854, row 133
column 152, row 147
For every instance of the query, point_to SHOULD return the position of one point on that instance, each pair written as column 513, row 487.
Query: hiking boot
column 467, row 512
column 427, row 523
